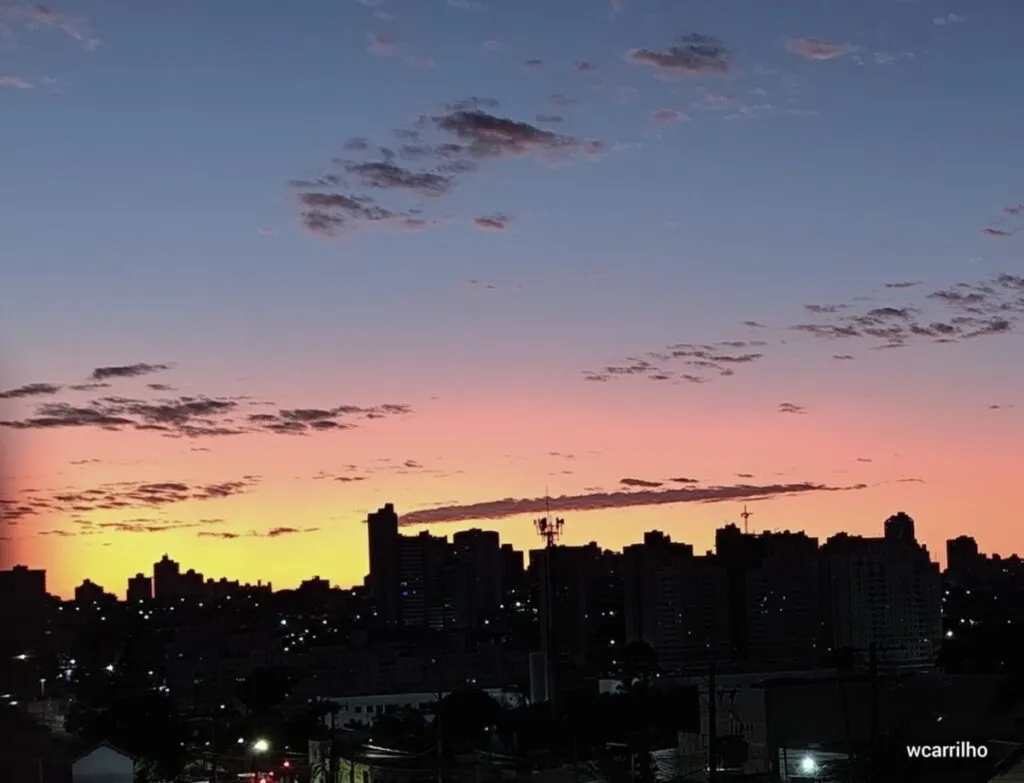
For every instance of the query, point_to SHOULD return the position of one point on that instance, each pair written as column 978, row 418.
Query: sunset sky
column 266, row 266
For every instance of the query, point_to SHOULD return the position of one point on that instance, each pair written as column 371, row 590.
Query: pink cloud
column 668, row 117
column 16, row 82
column 819, row 48
column 384, row 45
column 491, row 222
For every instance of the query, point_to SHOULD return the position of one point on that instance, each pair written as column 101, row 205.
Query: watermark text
column 956, row 750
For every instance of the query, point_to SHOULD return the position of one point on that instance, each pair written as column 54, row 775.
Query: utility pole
column 437, row 715
column 873, row 726
column 874, row 689
column 213, row 749
column 712, row 719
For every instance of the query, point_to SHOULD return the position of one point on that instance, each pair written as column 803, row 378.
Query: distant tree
column 404, row 729
column 145, row 725
column 466, row 716
column 639, row 666
column 314, row 722
column 265, row 690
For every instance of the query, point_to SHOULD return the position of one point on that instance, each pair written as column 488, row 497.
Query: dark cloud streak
column 509, row 507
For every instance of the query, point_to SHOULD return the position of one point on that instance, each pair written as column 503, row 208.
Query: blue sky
column 171, row 144
column 147, row 215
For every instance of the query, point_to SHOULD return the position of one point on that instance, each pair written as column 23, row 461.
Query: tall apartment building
column 676, row 602
column 885, row 591
column 383, row 581
column 575, row 573
column 425, row 580
column 140, row 588
column 775, row 608
column 166, row 579
column 513, row 570
column 476, row 575
column 22, row 589
column 966, row 566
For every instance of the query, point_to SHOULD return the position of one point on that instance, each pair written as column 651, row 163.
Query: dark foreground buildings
column 822, row 660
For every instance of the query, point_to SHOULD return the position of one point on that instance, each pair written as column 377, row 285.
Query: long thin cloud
column 510, row 507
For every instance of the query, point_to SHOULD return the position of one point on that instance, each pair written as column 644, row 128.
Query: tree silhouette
column 405, row 729
column 639, row 666
column 145, row 725
column 264, row 690
column 466, row 717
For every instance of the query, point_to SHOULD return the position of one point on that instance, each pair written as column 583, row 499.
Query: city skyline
column 968, row 557
column 655, row 262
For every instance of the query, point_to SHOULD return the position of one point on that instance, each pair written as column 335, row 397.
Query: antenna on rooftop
column 746, row 517
column 548, row 528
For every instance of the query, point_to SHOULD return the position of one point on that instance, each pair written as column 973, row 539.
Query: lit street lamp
column 808, row 766
column 260, row 746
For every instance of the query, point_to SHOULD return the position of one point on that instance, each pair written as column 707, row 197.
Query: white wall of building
column 365, row 709
column 103, row 765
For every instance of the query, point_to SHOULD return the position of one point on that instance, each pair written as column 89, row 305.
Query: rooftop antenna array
column 549, row 528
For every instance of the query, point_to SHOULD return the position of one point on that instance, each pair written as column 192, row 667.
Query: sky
column 266, row 267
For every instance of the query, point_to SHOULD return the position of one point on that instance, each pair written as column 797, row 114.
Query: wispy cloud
column 274, row 532
column 127, row 371
column 819, row 48
column 197, row 416
column 1007, row 224
column 694, row 54
column 16, row 82
column 30, row 390
column 121, row 496
column 643, row 483
column 703, row 362
column 966, row 311
column 668, row 117
column 392, row 186
column 42, row 17
column 491, row 222
column 989, row 307
column 384, row 45
column 509, row 507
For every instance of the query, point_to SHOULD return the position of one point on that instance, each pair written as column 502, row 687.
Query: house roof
column 107, row 745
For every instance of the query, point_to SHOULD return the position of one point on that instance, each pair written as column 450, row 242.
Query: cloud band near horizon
column 595, row 501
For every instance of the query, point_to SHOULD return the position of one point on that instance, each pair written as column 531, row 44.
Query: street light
column 260, row 746
column 808, row 766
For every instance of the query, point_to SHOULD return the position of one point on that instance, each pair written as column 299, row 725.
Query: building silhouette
column 477, row 578
column 676, row 602
column 140, row 588
column 166, row 579
column 967, row 567
column 775, row 610
column 383, row 578
column 22, row 589
column 425, row 571
column 884, row 591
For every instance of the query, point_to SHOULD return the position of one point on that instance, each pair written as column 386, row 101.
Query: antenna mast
column 746, row 516
column 550, row 530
